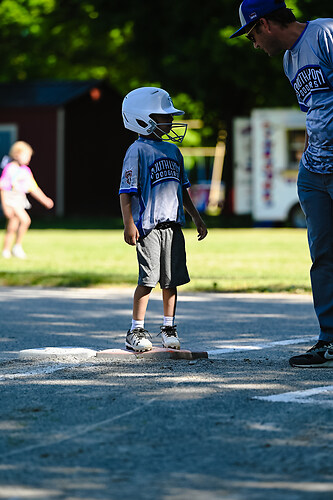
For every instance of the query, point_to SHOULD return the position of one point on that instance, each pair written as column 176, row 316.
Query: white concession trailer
column 267, row 149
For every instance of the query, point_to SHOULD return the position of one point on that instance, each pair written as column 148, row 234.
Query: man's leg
column 317, row 204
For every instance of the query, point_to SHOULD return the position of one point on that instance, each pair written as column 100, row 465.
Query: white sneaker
column 137, row 341
column 18, row 252
column 6, row 254
column 170, row 338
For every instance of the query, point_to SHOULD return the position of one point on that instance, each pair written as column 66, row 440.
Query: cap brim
column 241, row 31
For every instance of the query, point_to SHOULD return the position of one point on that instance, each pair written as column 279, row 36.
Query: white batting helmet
column 140, row 103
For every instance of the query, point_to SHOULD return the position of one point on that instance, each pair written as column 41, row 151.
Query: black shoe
column 319, row 356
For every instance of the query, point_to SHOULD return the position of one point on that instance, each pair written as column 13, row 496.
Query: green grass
column 228, row 260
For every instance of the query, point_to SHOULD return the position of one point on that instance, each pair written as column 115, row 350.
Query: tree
column 184, row 48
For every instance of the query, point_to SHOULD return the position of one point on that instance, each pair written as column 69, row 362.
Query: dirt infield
column 162, row 428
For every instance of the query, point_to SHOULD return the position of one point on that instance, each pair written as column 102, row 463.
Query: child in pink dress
column 17, row 180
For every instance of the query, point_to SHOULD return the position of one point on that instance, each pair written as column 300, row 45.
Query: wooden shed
column 78, row 137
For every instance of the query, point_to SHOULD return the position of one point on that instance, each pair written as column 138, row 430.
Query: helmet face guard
column 172, row 135
column 139, row 104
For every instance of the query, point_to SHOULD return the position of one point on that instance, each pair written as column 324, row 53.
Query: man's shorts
column 162, row 257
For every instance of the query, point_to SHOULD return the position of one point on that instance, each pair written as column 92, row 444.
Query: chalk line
column 257, row 347
column 303, row 397
column 43, row 370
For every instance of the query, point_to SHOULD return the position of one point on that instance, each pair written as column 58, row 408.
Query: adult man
column 308, row 63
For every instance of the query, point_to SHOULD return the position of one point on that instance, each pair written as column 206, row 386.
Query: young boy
column 153, row 191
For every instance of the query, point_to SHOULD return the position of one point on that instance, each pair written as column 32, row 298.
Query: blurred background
column 66, row 66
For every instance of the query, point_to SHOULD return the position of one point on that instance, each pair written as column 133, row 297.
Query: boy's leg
column 169, row 301
column 140, row 302
column 136, row 338
column 148, row 249
column 173, row 273
column 168, row 329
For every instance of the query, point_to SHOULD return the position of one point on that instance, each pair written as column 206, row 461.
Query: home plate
column 57, row 353
column 154, row 353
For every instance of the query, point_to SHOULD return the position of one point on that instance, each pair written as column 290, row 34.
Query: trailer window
column 295, row 144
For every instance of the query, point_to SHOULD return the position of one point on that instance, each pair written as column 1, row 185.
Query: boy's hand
column 131, row 234
column 191, row 209
column 201, row 227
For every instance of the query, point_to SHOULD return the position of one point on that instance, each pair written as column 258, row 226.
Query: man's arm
column 193, row 212
column 131, row 233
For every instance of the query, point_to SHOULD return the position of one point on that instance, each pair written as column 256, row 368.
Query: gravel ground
column 168, row 429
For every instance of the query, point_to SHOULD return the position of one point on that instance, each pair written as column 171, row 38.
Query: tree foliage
column 184, row 48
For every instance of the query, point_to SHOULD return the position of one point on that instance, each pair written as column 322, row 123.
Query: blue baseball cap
column 253, row 10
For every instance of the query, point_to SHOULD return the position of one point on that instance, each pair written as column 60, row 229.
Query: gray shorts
column 162, row 258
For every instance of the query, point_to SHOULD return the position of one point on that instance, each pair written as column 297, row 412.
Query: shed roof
column 43, row 93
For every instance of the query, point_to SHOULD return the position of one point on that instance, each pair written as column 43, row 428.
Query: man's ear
column 265, row 24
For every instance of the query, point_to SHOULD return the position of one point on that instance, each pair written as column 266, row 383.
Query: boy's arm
column 191, row 209
column 131, row 233
column 40, row 196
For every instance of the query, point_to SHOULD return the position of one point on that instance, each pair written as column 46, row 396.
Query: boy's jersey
column 153, row 173
column 309, row 67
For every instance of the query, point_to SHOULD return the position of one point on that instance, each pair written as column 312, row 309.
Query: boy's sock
column 137, row 323
column 168, row 321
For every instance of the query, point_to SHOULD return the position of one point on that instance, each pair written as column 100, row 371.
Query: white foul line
column 304, row 397
column 44, row 370
column 257, row 347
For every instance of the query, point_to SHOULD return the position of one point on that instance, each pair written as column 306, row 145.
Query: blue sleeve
column 130, row 173
column 325, row 45
column 185, row 182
